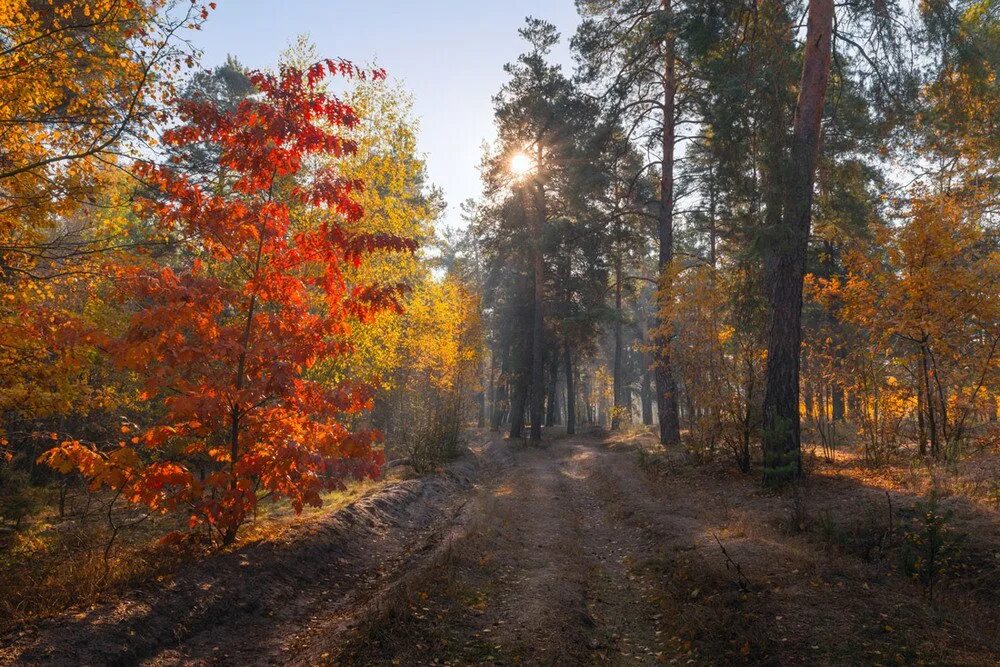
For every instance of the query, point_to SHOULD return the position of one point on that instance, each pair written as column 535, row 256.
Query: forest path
column 550, row 557
column 584, row 550
column 548, row 571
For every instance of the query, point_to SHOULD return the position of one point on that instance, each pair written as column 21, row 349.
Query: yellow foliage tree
column 439, row 352
column 925, row 297
column 397, row 202
column 79, row 81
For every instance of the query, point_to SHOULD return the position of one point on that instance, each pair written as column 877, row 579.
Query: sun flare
column 521, row 164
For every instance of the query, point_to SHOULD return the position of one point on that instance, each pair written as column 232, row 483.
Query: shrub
column 931, row 544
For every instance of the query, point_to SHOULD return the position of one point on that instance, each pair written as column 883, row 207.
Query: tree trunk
column 538, row 320
column 560, row 397
column 617, row 409
column 931, row 419
column 810, row 398
column 837, row 399
column 666, row 384
column 481, row 412
column 491, row 391
column 646, row 395
column 921, row 427
column 551, row 406
column 782, row 445
column 499, row 406
column 570, row 392
column 520, row 398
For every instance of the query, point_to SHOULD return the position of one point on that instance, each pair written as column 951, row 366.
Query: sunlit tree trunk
column 617, row 377
column 666, row 383
column 781, row 434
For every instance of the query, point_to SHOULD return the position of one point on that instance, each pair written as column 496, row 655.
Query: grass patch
column 49, row 565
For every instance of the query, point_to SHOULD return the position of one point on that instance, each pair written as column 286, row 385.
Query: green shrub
column 931, row 544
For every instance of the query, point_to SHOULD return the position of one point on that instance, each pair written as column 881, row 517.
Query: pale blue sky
column 448, row 53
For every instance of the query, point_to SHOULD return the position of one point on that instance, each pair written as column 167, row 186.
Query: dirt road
column 576, row 554
column 548, row 570
column 570, row 553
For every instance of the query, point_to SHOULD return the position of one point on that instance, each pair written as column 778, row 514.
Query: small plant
column 734, row 568
column 869, row 536
column 932, row 545
column 655, row 464
column 703, row 438
column 430, row 444
column 828, row 528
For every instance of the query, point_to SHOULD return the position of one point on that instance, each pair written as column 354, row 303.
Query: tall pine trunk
column 551, row 405
column 616, row 413
column 538, row 319
column 491, row 391
column 500, row 406
column 646, row 395
column 666, row 383
column 570, row 392
column 519, row 399
column 781, row 434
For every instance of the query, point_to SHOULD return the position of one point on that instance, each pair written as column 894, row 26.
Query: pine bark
column 666, row 383
column 646, row 395
column 538, row 319
column 551, row 404
column 617, row 365
column 782, row 439
column 570, row 392
column 519, row 399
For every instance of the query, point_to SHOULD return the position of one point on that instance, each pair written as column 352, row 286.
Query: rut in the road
column 552, row 576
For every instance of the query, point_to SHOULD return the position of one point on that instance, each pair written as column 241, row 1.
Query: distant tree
column 631, row 50
column 540, row 120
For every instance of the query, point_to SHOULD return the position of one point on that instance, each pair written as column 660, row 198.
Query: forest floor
column 586, row 550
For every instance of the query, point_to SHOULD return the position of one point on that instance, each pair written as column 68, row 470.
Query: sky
column 448, row 53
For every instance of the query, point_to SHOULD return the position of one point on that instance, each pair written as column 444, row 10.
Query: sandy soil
column 577, row 552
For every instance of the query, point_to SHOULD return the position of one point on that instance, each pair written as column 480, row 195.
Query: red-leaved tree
column 224, row 339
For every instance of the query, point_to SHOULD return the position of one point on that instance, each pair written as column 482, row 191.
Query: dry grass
column 827, row 561
column 51, row 565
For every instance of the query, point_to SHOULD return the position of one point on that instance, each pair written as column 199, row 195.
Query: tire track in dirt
column 547, row 574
